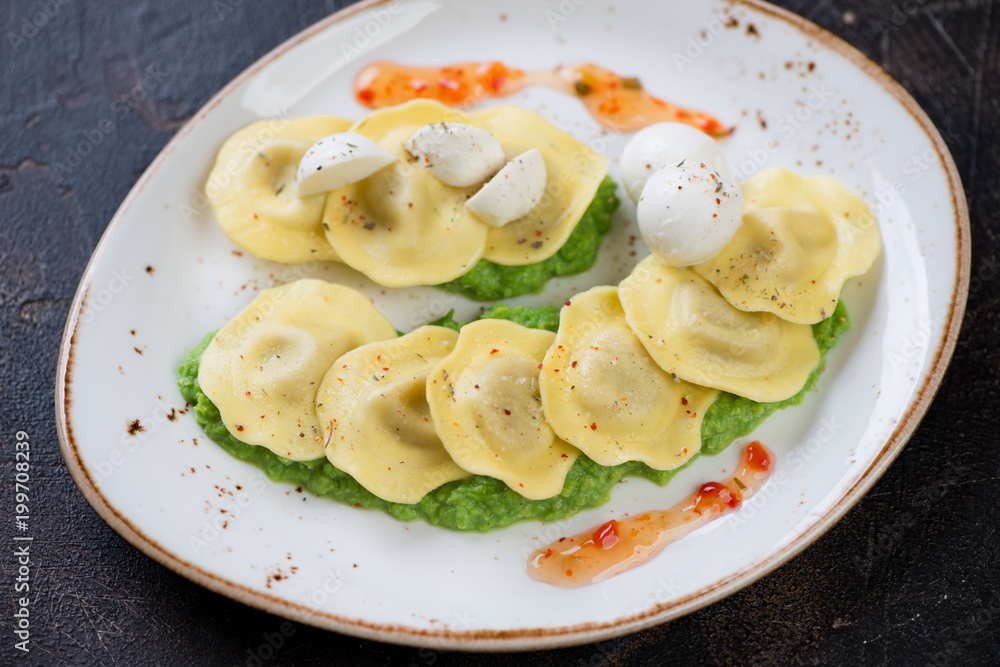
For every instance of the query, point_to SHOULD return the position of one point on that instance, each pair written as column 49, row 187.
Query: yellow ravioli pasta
column 401, row 226
column 253, row 192
column 574, row 172
column 485, row 403
column 263, row 368
column 373, row 408
column 691, row 331
column 802, row 237
column 604, row 394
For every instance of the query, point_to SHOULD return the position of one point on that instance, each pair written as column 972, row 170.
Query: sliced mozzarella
column 667, row 145
column 458, row 154
column 580, row 170
column 338, row 160
column 513, row 192
column 686, row 215
column 253, row 192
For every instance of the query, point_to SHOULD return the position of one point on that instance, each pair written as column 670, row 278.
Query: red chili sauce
column 619, row 103
column 596, row 555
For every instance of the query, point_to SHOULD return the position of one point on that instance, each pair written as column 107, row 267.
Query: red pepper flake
column 248, row 393
column 385, row 368
column 684, row 400
column 593, row 426
column 573, row 364
column 506, row 412
column 477, row 386
column 494, row 351
column 239, row 427
column 547, row 554
column 567, row 303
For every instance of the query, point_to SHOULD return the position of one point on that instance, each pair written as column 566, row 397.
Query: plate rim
column 524, row 639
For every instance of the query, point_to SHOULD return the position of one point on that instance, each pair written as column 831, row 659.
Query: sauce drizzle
column 616, row 546
column 618, row 103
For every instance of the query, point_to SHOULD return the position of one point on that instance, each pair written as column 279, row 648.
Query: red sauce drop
column 758, row 457
column 619, row 545
column 716, row 494
column 607, row 535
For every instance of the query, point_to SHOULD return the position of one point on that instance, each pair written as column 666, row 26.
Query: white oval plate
column 163, row 275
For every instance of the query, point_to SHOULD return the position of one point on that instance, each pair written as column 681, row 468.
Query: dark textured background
column 909, row 576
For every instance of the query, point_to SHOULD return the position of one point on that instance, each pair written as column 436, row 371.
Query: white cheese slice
column 338, row 160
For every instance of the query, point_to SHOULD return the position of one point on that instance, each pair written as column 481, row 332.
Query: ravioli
column 603, row 393
column 401, row 226
column 485, row 403
column 373, row 408
column 574, row 173
column 694, row 333
column 802, row 238
column 263, row 368
column 253, row 190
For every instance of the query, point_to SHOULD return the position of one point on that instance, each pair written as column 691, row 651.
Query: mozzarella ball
column 686, row 215
column 667, row 145
column 458, row 155
column 338, row 160
column 513, row 192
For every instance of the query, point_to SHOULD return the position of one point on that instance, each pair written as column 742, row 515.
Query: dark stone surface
column 910, row 576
